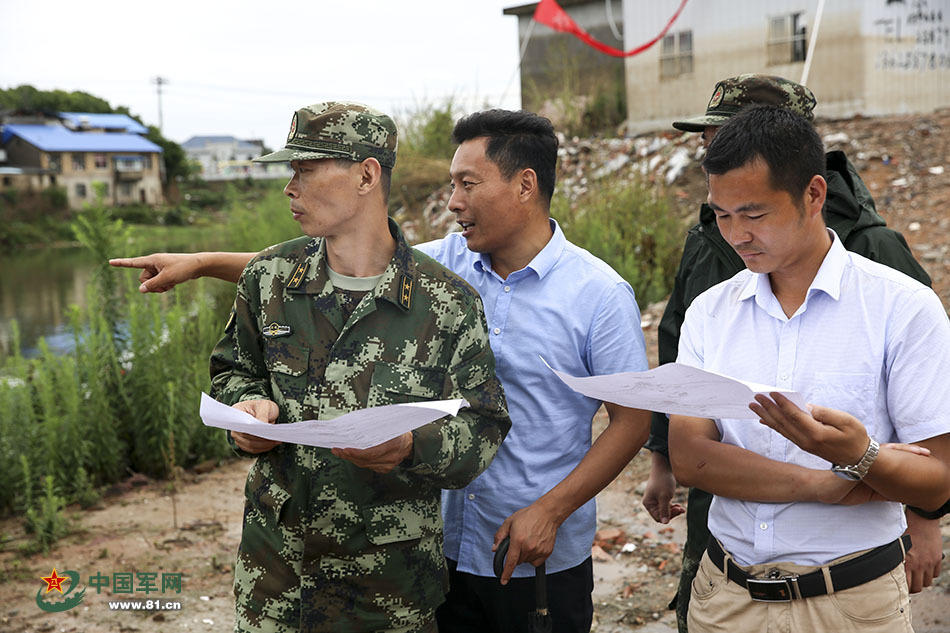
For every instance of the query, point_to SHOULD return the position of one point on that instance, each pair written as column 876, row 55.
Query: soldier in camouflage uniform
column 345, row 318
column 708, row 259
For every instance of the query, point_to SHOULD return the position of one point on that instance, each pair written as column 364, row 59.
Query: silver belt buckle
column 774, row 588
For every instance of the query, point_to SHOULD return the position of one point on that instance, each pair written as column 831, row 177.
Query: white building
column 229, row 158
column 872, row 57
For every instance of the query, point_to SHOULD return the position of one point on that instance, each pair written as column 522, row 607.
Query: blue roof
column 105, row 121
column 55, row 138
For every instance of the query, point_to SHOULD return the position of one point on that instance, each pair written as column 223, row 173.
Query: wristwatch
column 856, row 472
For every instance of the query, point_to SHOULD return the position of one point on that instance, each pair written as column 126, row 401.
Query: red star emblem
column 53, row 581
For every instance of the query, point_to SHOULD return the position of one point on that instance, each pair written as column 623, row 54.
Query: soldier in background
column 349, row 317
column 708, row 260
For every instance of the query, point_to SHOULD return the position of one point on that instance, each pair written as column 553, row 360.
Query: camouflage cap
column 338, row 129
column 733, row 94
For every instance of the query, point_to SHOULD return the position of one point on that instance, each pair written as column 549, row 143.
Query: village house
column 80, row 151
column 227, row 158
column 871, row 57
column 557, row 66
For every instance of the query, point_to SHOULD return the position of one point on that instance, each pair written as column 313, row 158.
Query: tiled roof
column 104, row 121
column 55, row 138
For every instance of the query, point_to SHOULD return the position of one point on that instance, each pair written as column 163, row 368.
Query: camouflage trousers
column 697, row 538
column 264, row 624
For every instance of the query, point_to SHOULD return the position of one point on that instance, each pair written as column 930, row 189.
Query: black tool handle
column 498, row 563
column 540, row 590
column 540, row 578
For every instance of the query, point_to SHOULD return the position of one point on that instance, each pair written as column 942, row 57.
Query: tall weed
column 630, row 226
column 125, row 399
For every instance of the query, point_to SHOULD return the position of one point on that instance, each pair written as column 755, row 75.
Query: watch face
column 846, row 472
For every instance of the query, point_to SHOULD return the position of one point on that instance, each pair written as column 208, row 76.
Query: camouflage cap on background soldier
column 735, row 93
column 338, row 129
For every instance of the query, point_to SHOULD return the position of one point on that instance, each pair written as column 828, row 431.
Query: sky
column 242, row 68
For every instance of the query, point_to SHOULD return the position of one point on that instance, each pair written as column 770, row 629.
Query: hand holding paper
column 263, row 410
column 363, row 428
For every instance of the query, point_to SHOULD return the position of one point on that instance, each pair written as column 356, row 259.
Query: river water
column 36, row 288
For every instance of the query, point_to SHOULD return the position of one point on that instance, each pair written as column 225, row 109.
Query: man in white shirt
column 807, row 529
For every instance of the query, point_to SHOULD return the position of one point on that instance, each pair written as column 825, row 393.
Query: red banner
column 550, row 13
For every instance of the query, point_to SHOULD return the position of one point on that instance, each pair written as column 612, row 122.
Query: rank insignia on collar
column 297, row 278
column 405, row 291
column 275, row 329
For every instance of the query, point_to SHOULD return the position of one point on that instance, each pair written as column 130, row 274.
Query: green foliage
column 604, row 110
column 124, row 400
column 177, row 165
column 255, row 225
column 425, row 152
column 427, row 131
column 630, row 226
column 580, row 100
column 101, row 235
column 56, row 197
column 26, row 98
column 45, row 520
column 136, row 213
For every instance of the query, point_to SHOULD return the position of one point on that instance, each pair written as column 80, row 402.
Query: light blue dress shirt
column 867, row 340
column 581, row 316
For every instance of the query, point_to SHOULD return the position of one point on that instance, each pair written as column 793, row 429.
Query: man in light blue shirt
column 543, row 296
column 807, row 513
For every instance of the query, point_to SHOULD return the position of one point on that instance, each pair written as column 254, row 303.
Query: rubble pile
column 904, row 162
column 903, row 159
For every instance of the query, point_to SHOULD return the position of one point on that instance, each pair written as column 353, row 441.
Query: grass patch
column 629, row 225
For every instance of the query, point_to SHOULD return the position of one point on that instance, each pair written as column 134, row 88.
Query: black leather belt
column 850, row 573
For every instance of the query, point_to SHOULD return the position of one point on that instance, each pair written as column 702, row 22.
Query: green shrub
column 45, row 520
column 126, row 398
column 136, row 213
column 56, row 197
column 255, row 226
column 630, row 226
column 427, row 130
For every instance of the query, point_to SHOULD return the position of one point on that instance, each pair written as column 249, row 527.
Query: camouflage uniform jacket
column 329, row 546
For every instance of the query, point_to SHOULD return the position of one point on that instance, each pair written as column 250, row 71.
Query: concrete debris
column 898, row 158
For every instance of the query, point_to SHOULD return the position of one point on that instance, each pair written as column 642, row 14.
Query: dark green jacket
column 708, row 259
column 326, row 545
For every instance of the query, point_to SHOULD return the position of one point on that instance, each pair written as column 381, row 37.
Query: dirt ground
column 636, row 561
column 143, row 529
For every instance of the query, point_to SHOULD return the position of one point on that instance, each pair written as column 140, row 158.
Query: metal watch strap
column 859, row 470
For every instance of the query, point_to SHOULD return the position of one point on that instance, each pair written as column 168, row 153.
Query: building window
column 101, row 162
column 80, row 190
column 79, row 161
column 147, row 158
column 7, row 181
column 676, row 54
column 786, row 42
column 55, row 161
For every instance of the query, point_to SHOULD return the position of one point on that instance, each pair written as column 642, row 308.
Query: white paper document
column 358, row 429
column 678, row 390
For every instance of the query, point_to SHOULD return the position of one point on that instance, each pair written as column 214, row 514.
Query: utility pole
column 159, row 82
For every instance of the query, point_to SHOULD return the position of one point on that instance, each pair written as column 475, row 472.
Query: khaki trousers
column 718, row 605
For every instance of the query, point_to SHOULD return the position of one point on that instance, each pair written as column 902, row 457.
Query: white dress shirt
column 867, row 340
